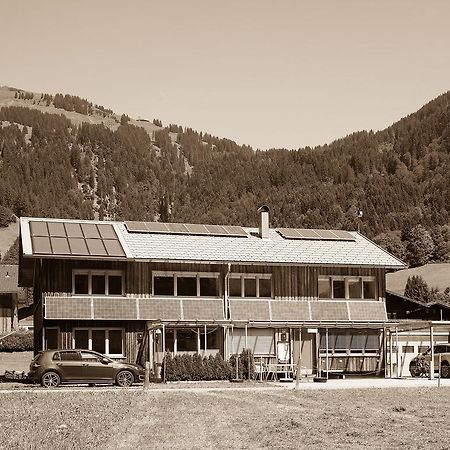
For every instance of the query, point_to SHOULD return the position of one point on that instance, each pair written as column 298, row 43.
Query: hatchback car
column 420, row 365
column 53, row 367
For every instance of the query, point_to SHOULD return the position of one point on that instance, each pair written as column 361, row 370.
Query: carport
column 431, row 328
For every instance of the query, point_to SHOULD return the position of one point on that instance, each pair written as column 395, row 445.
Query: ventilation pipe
column 263, row 222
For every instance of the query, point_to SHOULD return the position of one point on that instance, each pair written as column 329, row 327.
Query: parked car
column 50, row 368
column 420, row 365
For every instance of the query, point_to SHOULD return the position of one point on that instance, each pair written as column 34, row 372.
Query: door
column 69, row 365
column 93, row 369
column 308, row 346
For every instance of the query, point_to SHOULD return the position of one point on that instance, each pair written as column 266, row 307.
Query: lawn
column 279, row 418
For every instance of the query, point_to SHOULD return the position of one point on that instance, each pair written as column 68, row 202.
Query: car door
column 69, row 365
column 94, row 369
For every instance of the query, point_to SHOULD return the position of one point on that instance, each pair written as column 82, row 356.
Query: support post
column 326, row 356
column 299, row 360
column 164, row 351
column 15, row 312
column 397, row 348
column 206, row 341
column 150, row 350
column 147, row 375
column 439, row 373
column 246, row 338
column 391, row 364
column 385, row 352
column 432, row 352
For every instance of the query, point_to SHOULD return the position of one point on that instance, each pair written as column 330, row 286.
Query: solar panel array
column 186, row 229
column 75, row 239
column 319, row 235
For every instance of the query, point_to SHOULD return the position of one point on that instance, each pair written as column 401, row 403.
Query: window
column 209, row 287
column 163, row 285
column 369, row 289
column 346, row 288
column 324, row 289
column 51, row 338
column 338, row 289
column 250, row 285
column 408, row 348
column 69, row 356
column 186, row 284
column 81, row 284
column 350, row 342
column 107, row 341
column 187, row 341
column 98, row 283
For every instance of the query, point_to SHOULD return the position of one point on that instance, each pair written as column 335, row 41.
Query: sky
column 283, row 74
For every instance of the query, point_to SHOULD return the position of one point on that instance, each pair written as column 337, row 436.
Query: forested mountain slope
column 88, row 162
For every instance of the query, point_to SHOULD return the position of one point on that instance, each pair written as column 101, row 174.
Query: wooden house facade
column 308, row 298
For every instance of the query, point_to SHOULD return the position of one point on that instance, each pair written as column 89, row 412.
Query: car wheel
column 445, row 370
column 50, row 379
column 124, row 378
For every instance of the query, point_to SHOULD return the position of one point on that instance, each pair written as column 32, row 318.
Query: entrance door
column 308, row 361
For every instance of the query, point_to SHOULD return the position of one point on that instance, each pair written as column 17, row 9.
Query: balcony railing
column 132, row 308
column 209, row 309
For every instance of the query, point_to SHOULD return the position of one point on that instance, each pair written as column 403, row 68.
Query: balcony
column 268, row 310
column 132, row 308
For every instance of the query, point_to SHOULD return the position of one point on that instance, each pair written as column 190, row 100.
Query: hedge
column 20, row 341
column 187, row 367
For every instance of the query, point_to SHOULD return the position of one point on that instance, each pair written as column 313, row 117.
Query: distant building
column 9, row 298
column 135, row 290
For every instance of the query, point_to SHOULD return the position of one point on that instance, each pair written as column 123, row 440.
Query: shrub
column 187, row 367
column 20, row 341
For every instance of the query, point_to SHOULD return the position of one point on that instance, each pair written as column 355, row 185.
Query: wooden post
column 15, row 312
column 432, row 352
column 164, row 351
column 326, row 346
column 391, row 364
column 260, row 368
column 397, row 352
column 299, row 360
column 237, row 366
column 385, row 352
column 206, row 341
column 147, row 375
column 246, row 339
column 439, row 373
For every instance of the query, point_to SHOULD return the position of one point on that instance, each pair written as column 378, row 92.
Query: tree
column 391, row 243
column 417, row 289
column 419, row 246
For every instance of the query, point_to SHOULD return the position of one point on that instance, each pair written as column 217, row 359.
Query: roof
column 416, row 301
column 251, row 249
column 9, row 276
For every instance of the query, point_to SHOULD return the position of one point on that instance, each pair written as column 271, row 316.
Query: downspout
column 226, row 314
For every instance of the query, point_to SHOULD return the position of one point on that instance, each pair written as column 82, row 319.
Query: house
column 413, row 333
column 136, row 289
column 9, row 298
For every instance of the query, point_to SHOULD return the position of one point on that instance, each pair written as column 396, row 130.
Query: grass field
column 436, row 275
column 279, row 418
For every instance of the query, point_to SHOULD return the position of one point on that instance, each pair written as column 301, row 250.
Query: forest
column 399, row 177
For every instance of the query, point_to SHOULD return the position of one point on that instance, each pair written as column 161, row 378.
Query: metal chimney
column 263, row 222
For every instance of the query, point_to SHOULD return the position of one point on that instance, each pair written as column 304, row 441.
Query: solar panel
column 41, row 245
column 107, row 231
column 186, row 229
column 90, row 231
column 75, row 239
column 113, row 247
column 60, row 245
column 56, row 229
column 73, row 230
column 78, row 246
column 38, row 228
column 319, row 235
column 156, row 227
column 96, row 247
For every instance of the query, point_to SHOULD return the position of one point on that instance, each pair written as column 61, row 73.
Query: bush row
column 187, row 367
column 20, row 341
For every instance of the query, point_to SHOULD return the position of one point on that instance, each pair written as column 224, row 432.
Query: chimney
column 263, row 222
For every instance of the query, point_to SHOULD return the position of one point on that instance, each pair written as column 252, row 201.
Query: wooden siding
column 289, row 283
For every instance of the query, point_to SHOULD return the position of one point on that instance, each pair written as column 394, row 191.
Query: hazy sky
column 264, row 73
